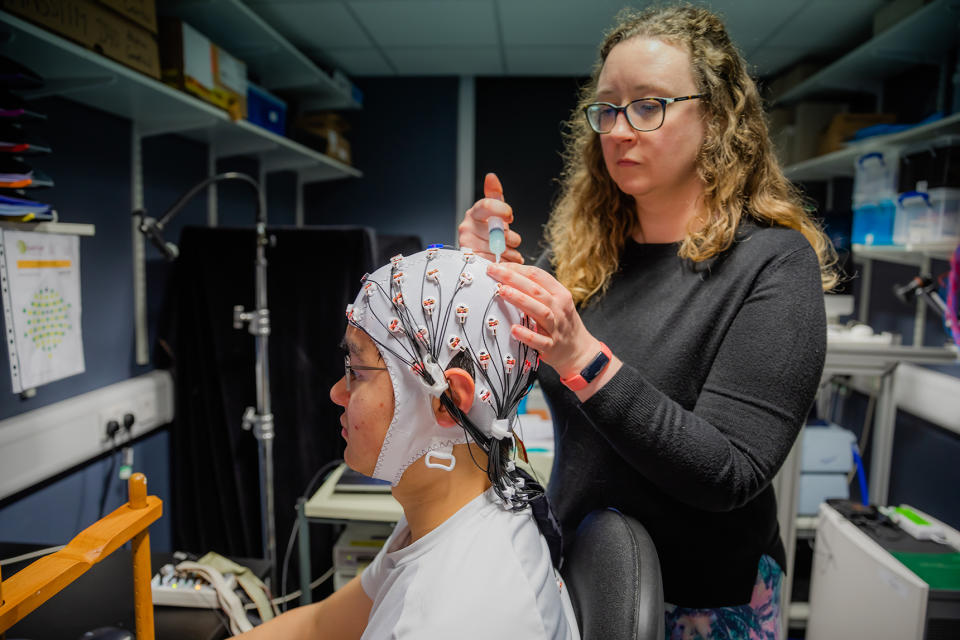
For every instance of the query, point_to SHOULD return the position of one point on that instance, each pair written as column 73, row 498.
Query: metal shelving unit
column 840, row 163
column 845, row 358
column 918, row 256
column 270, row 57
column 66, row 228
column 154, row 109
column 922, row 37
column 915, row 255
column 926, row 36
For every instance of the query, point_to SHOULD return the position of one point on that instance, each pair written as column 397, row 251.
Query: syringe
column 495, row 225
column 498, row 244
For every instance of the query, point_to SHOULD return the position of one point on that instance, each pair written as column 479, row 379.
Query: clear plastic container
column 930, row 164
column 873, row 223
column 928, row 218
column 875, row 177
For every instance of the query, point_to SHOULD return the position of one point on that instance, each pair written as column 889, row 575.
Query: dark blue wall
column 58, row 510
column 91, row 166
column 405, row 142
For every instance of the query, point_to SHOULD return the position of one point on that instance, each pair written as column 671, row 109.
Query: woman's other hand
column 473, row 230
column 560, row 336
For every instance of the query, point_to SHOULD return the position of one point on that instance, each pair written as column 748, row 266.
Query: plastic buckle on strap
column 443, row 455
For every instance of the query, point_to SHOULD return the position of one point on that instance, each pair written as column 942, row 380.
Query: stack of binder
column 20, row 146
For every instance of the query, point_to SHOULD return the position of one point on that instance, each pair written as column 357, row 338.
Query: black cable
column 108, row 479
column 321, row 473
column 153, row 229
column 220, row 177
column 483, row 338
column 423, row 280
column 413, row 358
column 497, row 403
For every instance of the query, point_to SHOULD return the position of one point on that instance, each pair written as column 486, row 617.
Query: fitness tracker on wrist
column 589, row 373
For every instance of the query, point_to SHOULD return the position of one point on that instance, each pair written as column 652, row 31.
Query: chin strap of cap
column 444, row 453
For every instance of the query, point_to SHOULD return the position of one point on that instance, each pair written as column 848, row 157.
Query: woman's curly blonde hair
column 592, row 217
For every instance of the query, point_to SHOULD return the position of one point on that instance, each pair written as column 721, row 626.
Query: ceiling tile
column 750, row 24
column 356, row 61
column 310, row 25
column 540, row 37
column 828, row 25
column 550, row 61
column 556, row 22
column 426, row 23
column 445, row 61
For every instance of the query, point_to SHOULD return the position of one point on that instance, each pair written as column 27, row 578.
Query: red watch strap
column 578, row 382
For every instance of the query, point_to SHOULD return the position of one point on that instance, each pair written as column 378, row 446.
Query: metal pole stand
column 260, row 420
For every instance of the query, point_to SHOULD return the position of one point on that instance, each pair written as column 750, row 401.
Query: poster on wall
column 40, row 275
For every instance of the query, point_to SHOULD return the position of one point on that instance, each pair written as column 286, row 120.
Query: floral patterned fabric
column 758, row 620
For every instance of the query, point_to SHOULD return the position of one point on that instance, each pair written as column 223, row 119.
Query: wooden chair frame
column 44, row 578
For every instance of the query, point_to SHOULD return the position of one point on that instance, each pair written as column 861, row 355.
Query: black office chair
column 613, row 574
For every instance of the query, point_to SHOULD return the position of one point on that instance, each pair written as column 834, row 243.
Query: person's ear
column 461, row 388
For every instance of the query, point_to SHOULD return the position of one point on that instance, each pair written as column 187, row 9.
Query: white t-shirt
column 484, row 573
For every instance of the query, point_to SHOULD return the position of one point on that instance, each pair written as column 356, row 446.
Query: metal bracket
column 258, row 321
column 261, row 423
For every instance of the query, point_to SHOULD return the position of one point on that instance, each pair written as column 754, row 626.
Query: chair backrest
column 613, row 574
column 41, row 580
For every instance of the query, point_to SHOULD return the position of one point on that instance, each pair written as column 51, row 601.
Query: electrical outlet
column 114, row 412
column 39, row 444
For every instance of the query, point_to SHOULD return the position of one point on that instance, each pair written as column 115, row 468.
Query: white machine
column 827, row 459
column 356, row 547
column 860, row 590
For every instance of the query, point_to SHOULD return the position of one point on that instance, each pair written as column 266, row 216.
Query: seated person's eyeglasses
column 645, row 114
column 348, row 370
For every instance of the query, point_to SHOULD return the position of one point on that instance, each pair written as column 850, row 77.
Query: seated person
column 433, row 379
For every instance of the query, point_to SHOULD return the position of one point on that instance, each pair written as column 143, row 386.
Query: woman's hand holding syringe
column 478, row 233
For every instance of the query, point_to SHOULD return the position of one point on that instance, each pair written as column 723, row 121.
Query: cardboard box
column 844, row 125
column 143, row 12
column 192, row 63
column 791, row 78
column 324, row 130
column 326, row 141
column 810, row 120
column 319, row 122
column 93, row 27
column 338, row 147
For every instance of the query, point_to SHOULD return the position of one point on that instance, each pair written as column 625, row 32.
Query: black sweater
column 722, row 360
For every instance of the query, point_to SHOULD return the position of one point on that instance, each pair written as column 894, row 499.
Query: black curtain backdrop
column 523, row 145
column 312, row 274
column 390, row 245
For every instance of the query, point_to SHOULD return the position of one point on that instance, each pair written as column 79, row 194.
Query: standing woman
column 679, row 306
